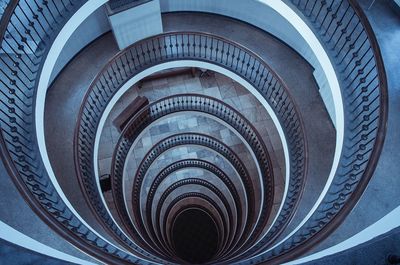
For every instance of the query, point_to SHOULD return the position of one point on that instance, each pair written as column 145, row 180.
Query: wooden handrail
column 21, row 168
column 293, row 125
column 201, row 104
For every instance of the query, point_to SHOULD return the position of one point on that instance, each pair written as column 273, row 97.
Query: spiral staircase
column 247, row 132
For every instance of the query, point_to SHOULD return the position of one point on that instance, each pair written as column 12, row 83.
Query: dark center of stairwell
column 195, row 236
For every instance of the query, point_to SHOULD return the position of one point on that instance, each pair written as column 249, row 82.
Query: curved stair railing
column 27, row 30
column 351, row 44
column 364, row 85
column 161, row 232
column 183, row 139
column 201, row 164
column 192, row 103
column 206, row 48
column 193, row 195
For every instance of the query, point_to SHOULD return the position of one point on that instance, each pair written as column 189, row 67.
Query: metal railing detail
column 227, row 230
column 27, row 30
column 181, row 140
column 204, row 47
column 197, row 103
column 192, row 163
column 351, row 44
column 200, row 140
column 192, row 195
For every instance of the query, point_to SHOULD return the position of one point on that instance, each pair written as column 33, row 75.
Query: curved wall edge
column 231, row 9
column 14, row 236
column 44, row 81
column 190, row 63
column 91, row 28
column 278, row 19
column 382, row 226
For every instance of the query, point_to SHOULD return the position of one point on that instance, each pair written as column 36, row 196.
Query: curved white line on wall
column 15, row 237
column 205, row 65
column 281, row 21
column 129, row 208
column 209, row 116
column 278, row 6
column 73, row 23
column 382, row 226
column 126, row 165
column 324, row 60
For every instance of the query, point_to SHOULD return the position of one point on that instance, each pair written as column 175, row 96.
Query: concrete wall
column 94, row 26
column 136, row 23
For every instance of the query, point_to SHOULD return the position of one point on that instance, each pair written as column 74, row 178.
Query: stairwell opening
column 194, row 236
